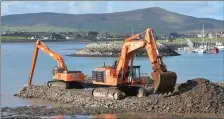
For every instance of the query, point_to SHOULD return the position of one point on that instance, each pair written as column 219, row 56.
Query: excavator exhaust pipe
column 164, row 82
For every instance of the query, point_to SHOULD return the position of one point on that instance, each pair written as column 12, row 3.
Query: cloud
column 84, row 7
column 6, row 5
column 210, row 9
column 130, row 5
column 195, row 8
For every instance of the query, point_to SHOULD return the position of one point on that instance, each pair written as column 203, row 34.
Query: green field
column 36, row 28
column 12, row 38
column 178, row 40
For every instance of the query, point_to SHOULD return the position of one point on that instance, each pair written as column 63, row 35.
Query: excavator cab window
column 134, row 72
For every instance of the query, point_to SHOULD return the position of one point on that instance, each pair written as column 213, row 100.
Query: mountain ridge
column 161, row 20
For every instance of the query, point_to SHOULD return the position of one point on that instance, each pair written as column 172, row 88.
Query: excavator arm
column 127, row 54
column 153, row 53
column 164, row 81
column 45, row 49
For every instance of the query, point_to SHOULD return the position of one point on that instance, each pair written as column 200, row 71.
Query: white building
column 45, row 38
column 31, row 38
column 200, row 35
column 210, row 35
column 67, row 37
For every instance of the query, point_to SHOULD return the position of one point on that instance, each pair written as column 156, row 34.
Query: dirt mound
column 195, row 96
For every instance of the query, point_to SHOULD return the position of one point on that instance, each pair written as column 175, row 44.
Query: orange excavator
column 61, row 76
column 124, row 74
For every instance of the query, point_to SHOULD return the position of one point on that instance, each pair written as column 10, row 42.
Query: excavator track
column 65, row 85
column 118, row 93
column 164, row 82
column 110, row 93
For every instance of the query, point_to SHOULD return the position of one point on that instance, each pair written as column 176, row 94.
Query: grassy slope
column 161, row 20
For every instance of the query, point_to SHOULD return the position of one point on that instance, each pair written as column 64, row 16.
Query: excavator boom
column 60, row 73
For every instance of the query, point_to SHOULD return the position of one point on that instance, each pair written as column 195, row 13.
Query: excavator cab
column 134, row 72
column 134, row 76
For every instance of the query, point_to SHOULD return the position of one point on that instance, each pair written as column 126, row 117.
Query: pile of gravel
column 197, row 95
column 114, row 49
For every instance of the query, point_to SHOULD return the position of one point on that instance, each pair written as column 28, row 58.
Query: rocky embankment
column 111, row 49
column 175, row 46
column 194, row 96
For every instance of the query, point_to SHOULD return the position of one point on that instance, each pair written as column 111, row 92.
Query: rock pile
column 195, row 96
column 114, row 49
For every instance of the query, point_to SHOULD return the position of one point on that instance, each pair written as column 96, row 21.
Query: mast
column 203, row 36
column 181, row 42
column 216, row 36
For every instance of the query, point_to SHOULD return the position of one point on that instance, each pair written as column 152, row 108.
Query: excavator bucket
column 164, row 82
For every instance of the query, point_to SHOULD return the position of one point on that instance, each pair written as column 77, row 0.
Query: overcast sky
column 202, row 9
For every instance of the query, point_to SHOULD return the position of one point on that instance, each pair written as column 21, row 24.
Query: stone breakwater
column 114, row 49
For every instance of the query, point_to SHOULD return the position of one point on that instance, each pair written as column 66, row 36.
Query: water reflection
column 158, row 115
column 142, row 116
column 68, row 116
column 12, row 101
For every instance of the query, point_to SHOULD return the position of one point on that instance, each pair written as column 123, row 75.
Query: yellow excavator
column 61, row 76
column 124, row 74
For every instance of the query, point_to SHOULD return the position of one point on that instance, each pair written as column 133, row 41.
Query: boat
column 219, row 45
column 199, row 50
column 202, row 48
column 215, row 50
column 181, row 46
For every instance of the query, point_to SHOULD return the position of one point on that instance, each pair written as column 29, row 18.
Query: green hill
column 160, row 19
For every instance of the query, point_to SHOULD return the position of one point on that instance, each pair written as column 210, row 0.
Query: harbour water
column 16, row 61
